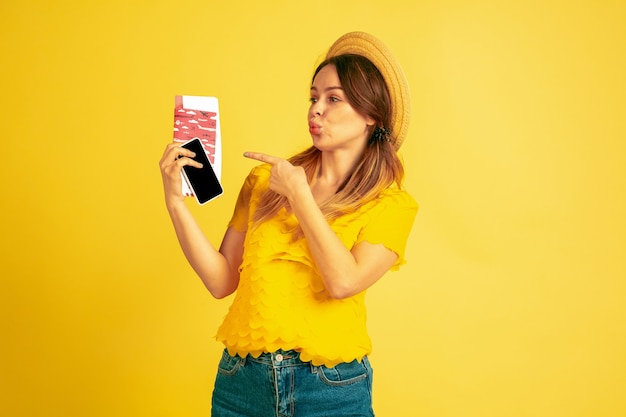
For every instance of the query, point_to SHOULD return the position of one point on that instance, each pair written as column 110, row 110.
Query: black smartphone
column 202, row 181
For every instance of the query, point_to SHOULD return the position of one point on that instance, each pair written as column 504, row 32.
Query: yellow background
column 513, row 300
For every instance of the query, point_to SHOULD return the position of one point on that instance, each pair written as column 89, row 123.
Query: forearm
column 213, row 268
column 336, row 264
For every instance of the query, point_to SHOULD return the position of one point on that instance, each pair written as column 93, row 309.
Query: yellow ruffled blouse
column 281, row 301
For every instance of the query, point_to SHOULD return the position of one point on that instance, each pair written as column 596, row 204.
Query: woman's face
column 333, row 122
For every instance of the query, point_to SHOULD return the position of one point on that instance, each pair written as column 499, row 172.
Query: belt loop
column 243, row 361
column 313, row 369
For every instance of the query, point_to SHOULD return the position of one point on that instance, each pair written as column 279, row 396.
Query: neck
column 336, row 167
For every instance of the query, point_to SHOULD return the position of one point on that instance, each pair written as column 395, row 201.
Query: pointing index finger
column 262, row 157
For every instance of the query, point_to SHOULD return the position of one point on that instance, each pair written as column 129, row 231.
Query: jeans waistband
column 279, row 358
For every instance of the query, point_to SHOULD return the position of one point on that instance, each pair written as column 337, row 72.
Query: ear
column 370, row 122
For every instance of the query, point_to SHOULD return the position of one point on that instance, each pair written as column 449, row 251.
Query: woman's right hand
column 172, row 162
column 217, row 269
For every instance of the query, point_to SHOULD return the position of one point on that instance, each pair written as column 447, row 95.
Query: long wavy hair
column 379, row 167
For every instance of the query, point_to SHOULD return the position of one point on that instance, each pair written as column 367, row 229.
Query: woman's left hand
column 285, row 179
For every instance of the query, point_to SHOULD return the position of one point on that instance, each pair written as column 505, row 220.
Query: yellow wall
column 512, row 303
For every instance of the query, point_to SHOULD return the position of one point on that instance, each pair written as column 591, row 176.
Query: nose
column 316, row 109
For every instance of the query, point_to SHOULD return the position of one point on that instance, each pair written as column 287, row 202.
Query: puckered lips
column 314, row 128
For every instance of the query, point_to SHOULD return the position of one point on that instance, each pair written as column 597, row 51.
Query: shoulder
column 393, row 205
column 258, row 176
column 260, row 171
column 396, row 197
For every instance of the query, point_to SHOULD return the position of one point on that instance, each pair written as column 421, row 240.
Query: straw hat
column 364, row 44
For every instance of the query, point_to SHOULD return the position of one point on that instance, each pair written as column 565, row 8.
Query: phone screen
column 202, row 181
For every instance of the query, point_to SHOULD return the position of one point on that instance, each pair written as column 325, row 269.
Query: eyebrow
column 327, row 88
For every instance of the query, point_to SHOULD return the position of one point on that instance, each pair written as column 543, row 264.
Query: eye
column 313, row 100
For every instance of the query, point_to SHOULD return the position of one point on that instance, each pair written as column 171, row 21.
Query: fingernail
column 245, row 154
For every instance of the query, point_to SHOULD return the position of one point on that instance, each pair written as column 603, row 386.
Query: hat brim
column 364, row 44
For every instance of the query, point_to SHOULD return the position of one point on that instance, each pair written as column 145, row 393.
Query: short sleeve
column 389, row 222
column 249, row 192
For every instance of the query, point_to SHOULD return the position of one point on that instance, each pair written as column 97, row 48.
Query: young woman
column 308, row 236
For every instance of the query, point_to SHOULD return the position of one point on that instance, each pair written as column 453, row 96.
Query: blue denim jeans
column 281, row 385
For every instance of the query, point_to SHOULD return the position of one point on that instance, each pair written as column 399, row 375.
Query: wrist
column 301, row 195
column 175, row 205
